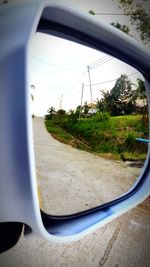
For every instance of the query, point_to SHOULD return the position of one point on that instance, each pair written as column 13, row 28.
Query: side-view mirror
column 19, row 201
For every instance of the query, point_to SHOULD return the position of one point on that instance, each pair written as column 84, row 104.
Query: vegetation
column 112, row 137
column 60, row 134
column 121, row 117
column 123, row 99
column 139, row 17
column 123, row 28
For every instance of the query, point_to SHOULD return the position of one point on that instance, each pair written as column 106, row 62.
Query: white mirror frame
column 18, row 189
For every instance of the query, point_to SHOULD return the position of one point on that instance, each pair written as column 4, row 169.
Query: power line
column 101, row 63
column 54, row 65
column 95, row 62
column 110, row 80
column 73, row 90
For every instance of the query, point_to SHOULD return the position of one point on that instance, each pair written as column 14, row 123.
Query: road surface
column 72, row 180
column 123, row 242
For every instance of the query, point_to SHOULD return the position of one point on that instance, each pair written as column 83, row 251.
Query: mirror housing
column 18, row 189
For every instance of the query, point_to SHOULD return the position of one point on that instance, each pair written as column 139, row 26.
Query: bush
column 101, row 117
column 129, row 143
column 48, row 117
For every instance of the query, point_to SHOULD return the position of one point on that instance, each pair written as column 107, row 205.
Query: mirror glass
column 90, row 124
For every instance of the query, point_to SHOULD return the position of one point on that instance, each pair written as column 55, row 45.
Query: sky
column 58, row 67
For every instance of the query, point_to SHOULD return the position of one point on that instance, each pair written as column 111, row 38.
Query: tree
column 119, row 100
column 106, row 101
column 61, row 112
column 100, row 105
column 73, row 116
column 85, row 108
column 123, row 28
column 78, row 109
column 121, row 94
column 140, row 92
column 51, row 111
column 78, row 112
column 139, row 17
column 92, row 12
column 141, row 100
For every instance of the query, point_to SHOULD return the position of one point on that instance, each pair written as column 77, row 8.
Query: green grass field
column 113, row 137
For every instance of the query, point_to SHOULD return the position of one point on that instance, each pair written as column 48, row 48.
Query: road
column 72, row 180
column 81, row 184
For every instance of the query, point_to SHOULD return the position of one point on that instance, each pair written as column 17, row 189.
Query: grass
column 112, row 137
column 58, row 132
column 63, row 136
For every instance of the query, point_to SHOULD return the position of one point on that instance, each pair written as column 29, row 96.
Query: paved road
column 123, row 242
column 72, row 180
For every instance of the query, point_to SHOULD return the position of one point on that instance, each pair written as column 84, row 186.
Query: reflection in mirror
column 90, row 124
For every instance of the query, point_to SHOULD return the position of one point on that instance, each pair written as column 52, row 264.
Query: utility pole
column 88, row 69
column 81, row 101
column 60, row 104
column 32, row 88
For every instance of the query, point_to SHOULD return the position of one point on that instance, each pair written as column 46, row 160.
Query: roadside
column 110, row 137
